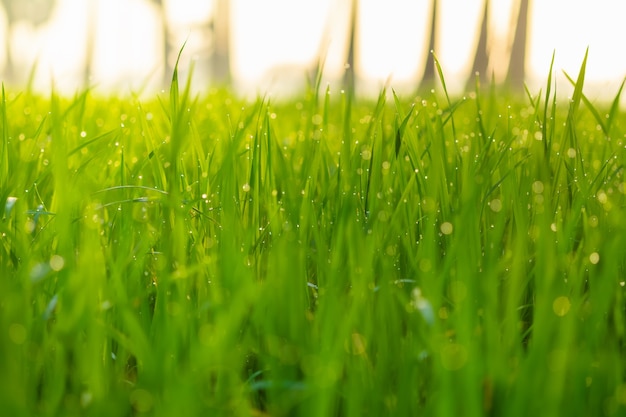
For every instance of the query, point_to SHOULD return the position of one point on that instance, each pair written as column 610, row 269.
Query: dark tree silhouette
column 517, row 63
column 428, row 77
column 36, row 12
column 481, row 56
column 348, row 75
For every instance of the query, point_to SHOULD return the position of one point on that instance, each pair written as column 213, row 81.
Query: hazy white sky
column 287, row 34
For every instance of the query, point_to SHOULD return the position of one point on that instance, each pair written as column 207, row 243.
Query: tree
column 428, row 77
column 165, row 42
column 220, row 56
column 218, row 27
column 89, row 41
column 348, row 75
column 481, row 57
column 36, row 12
column 517, row 63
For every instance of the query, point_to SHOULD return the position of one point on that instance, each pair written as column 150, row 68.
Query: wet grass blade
column 214, row 256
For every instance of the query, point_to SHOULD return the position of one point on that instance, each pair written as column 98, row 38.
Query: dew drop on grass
column 537, row 187
column 594, row 258
column 57, row 262
column 425, row 265
column 446, row 228
column 571, row 153
column 561, row 306
column 317, row 119
column 246, row 187
column 495, row 205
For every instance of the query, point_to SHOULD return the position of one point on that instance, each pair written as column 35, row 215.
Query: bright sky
column 272, row 35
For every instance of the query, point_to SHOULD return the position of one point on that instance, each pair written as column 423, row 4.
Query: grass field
column 327, row 256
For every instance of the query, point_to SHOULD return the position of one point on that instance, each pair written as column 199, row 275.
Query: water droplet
column 246, row 187
column 594, row 258
column 561, row 306
column 317, row 119
column 571, row 153
column 57, row 262
column 537, row 187
column 446, row 228
column 425, row 265
column 495, row 205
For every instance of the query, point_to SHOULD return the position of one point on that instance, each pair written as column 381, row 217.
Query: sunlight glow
column 276, row 41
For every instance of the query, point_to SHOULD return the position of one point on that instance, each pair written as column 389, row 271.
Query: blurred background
column 275, row 46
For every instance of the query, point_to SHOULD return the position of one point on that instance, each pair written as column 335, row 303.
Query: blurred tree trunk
column 428, row 77
column 165, row 39
column 35, row 12
column 348, row 75
column 9, row 67
column 517, row 63
column 89, row 41
column 481, row 57
column 220, row 59
column 168, row 68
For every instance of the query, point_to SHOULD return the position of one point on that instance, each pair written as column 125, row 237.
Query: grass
column 327, row 256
